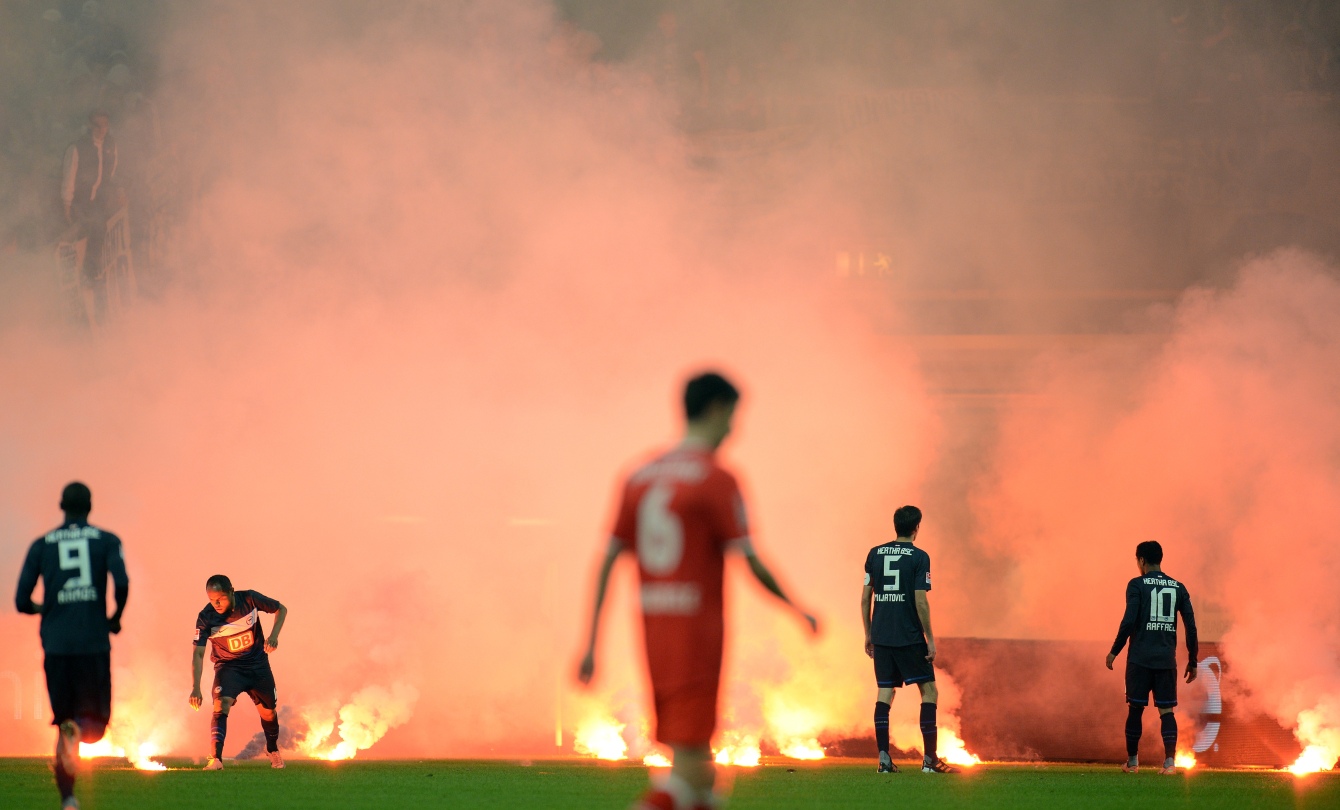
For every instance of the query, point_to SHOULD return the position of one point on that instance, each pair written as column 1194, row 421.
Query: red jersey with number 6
column 681, row 513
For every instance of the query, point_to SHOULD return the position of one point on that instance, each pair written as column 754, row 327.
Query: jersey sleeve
column 1128, row 618
column 869, row 567
column 263, row 603
column 201, row 632
column 1189, row 622
column 625, row 520
column 116, row 566
column 28, row 576
column 727, row 515
column 921, row 575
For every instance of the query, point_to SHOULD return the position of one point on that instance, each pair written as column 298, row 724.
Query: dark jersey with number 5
column 236, row 637
column 73, row 563
column 1153, row 602
column 895, row 572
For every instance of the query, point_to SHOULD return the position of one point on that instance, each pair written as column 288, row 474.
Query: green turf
column 26, row 783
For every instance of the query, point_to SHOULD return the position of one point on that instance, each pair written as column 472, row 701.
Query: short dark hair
column 219, row 582
column 701, row 391
column 906, row 520
column 76, row 499
column 1150, row 551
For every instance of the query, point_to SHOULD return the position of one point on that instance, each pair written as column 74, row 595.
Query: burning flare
column 601, row 737
column 139, row 756
column 1184, row 759
column 802, row 749
column 357, row 725
column 656, row 760
column 1321, row 744
column 953, row 751
column 738, row 749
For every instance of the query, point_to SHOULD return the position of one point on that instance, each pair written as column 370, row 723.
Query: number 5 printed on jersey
column 660, row 535
column 891, row 570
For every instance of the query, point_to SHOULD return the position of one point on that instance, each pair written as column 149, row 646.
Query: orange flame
column 953, row 751
column 802, row 749
column 1321, row 743
column 358, row 724
column 1184, row 759
column 1314, row 758
column 601, row 737
column 656, row 760
column 738, row 749
column 139, row 756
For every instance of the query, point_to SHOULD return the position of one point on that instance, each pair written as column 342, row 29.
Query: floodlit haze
column 438, row 274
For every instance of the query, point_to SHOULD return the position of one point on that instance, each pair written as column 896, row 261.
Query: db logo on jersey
column 240, row 642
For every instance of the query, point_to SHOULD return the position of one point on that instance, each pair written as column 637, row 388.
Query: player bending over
column 681, row 513
column 231, row 623
column 898, row 634
column 1153, row 601
column 73, row 562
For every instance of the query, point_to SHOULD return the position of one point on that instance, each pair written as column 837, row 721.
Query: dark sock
column 271, row 729
column 1133, row 729
column 882, row 726
column 929, row 736
column 1168, row 724
column 64, row 781
column 218, row 729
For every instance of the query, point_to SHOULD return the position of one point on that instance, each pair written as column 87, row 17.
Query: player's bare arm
column 197, row 667
column 924, row 613
column 587, row 669
column 768, row 581
column 272, row 643
column 867, row 600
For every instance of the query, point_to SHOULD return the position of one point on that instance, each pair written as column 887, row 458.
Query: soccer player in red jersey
column 681, row 514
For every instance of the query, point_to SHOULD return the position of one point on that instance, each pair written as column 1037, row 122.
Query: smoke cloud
column 435, row 274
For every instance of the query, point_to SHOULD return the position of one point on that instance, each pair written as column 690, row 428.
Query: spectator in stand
column 88, row 189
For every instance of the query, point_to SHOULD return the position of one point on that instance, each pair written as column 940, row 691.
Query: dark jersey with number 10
column 1153, row 602
column 895, row 572
column 236, row 636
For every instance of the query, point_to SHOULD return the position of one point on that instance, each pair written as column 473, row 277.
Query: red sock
column 655, row 799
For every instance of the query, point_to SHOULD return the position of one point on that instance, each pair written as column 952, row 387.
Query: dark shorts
column 256, row 681
column 898, row 666
column 80, row 688
column 1140, row 681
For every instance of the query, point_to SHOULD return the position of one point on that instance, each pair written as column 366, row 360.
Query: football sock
column 1133, row 729
column 218, row 729
column 64, row 781
column 929, row 736
column 271, row 729
column 1168, row 724
column 882, row 726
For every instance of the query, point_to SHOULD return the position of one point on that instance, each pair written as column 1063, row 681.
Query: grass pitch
column 110, row 785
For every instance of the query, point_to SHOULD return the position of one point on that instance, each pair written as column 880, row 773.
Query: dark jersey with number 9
column 895, row 572
column 236, row 636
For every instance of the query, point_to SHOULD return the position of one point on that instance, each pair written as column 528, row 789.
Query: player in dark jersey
column 682, row 514
column 73, row 562
column 231, row 625
column 898, row 634
column 1153, row 602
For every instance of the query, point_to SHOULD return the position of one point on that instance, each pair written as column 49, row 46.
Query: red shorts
column 686, row 715
column 684, row 661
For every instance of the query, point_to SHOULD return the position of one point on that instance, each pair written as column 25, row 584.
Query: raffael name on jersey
column 1164, row 627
